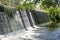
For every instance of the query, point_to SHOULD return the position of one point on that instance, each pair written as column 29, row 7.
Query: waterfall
column 16, row 22
column 30, row 18
column 18, row 17
column 21, row 20
column 25, row 19
column 4, row 24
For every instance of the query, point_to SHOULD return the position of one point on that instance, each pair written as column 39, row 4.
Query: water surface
column 38, row 33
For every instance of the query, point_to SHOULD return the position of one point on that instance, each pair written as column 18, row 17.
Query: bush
column 53, row 13
column 26, row 6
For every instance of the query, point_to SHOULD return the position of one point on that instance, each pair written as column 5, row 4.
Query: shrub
column 26, row 6
column 53, row 13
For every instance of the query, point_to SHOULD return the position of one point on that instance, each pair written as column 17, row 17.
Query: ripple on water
column 32, row 34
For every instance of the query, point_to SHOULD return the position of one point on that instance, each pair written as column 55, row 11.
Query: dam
column 22, row 19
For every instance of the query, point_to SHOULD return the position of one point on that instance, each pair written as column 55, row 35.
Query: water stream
column 40, row 33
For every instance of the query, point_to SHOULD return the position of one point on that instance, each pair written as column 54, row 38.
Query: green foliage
column 26, row 5
column 53, row 13
column 37, row 1
column 48, row 3
column 51, row 7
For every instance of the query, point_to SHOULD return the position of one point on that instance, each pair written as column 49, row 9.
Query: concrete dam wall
column 22, row 20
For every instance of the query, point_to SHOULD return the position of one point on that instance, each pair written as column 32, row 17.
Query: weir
column 22, row 19
column 32, row 23
column 25, row 19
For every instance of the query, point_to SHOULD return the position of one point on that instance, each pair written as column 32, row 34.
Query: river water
column 37, row 33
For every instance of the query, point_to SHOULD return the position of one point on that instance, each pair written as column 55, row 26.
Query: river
column 37, row 33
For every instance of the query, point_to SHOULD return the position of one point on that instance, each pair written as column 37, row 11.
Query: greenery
column 54, row 14
column 17, row 5
column 48, row 3
column 53, row 11
column 26, row 5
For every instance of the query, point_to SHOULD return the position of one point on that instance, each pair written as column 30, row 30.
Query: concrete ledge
column 44, row 24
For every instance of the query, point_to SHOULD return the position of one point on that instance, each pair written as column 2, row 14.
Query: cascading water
column 18, row 17
column 25, row 19
column 16, row 22
column 21, row 20
column 32, row 23
column 4, row 23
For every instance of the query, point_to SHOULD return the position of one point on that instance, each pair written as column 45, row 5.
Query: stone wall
column 40, row 17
